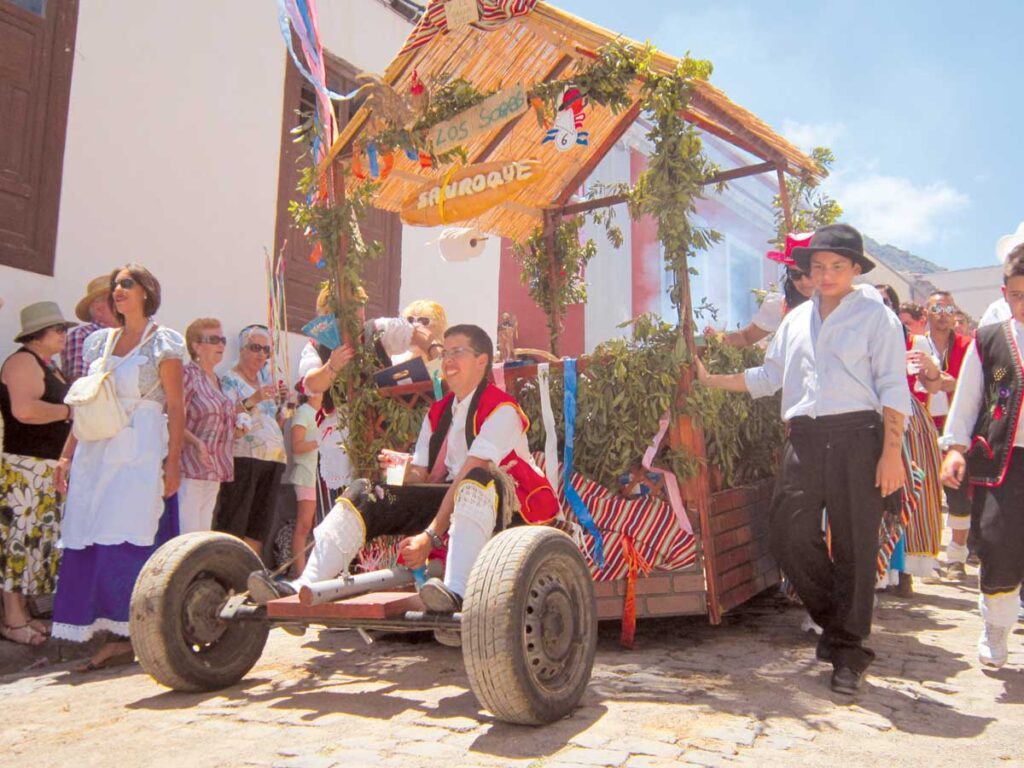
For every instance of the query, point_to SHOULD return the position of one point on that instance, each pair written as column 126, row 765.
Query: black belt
column 836, row 421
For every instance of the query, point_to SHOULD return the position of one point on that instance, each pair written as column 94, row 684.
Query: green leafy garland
column 810, row 207
column 333, row 227
column 558, row 282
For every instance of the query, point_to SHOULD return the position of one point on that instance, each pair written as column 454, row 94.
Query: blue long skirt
column 94, row 584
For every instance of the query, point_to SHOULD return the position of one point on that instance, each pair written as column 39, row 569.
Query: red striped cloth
column 493, row 13
column 647, row 523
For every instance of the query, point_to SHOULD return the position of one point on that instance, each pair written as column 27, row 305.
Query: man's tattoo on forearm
column 894, row 430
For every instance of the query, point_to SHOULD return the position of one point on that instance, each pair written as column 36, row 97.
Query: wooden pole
column 551, row 219
column 787, row 210
column 688, row 433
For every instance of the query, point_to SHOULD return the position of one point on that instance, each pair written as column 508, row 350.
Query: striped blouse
column 210, row 416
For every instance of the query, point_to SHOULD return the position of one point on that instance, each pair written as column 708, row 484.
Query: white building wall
column 972, row 289
column 172, row 153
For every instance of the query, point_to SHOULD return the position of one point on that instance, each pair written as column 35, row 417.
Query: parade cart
column 528, row 627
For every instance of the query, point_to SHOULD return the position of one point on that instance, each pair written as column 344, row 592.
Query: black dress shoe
column 846, row 681
column 823, row 650
column 263, row 589
column 438, row 598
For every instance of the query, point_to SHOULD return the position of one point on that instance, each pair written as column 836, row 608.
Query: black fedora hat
column 835, row 238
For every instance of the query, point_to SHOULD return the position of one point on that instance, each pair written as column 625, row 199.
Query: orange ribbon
column 636, row 562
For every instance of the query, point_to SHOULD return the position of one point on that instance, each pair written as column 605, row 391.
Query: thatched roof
column 548, row 44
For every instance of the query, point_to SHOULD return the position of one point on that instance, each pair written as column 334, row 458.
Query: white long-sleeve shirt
column 969, row 398
column 854, row 360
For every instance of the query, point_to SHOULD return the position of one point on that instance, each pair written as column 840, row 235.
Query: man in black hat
column 840, row 362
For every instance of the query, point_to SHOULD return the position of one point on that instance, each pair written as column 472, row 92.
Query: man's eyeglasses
column 451, row 354
column 939, row 309
column 125, row 283
column 257, row 348
column 218, row 340
column 420, row 320
column 796, row 274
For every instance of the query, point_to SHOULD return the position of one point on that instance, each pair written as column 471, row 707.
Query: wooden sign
column 460, row 13
column 494, row 111
column 468, row 192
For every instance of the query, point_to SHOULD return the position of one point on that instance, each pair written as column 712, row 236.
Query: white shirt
column 967, row 402
column 854, row 360
column 997, row 312
column 500, row 434
column 769, row 314
column 938, row 402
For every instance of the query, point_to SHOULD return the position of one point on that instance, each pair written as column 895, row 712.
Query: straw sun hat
column 98, row 288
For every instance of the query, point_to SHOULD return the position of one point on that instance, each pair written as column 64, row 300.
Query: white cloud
column 807, row 136
column 894, row 210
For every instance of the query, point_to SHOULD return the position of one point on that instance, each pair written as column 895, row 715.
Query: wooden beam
column 560, row 66
column 787, row 211
column 739, row 173
column 616, row 133
column 707, row 125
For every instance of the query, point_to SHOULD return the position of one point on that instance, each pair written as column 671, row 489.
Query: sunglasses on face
column 420, row 320
column 257, row 348
column 796, row 274
column 454, row 352
column 941, row 310
column 125, row 283
column 216, row 340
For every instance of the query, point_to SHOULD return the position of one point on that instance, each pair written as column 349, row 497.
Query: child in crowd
column 302, row 472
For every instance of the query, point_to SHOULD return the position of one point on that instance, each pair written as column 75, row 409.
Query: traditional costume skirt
column 94, row 588
column 30, row 513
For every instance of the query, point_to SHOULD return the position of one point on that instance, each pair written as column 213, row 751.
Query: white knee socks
column 337, row 540
column 473, row 519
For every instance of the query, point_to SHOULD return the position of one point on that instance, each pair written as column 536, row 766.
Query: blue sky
column 920, row 101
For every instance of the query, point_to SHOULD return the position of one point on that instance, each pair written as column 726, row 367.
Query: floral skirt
column 30, row 513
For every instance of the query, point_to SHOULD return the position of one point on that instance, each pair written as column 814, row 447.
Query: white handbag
column 97, row 410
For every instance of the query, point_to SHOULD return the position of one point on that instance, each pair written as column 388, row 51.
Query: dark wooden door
column 37, row 41
column 381, row 277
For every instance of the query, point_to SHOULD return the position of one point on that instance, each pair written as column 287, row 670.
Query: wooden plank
column 377, row 605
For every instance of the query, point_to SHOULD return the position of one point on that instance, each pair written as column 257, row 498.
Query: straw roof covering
column 548, row 44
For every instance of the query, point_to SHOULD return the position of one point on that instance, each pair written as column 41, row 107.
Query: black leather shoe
column 846, row 681
column 263, row 589
column 823, row 650
column 438, row 598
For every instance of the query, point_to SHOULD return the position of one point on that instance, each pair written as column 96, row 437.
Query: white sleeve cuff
column 757, row 382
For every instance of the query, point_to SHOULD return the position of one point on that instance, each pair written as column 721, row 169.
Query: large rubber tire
column 175, row 626
column 529, row 626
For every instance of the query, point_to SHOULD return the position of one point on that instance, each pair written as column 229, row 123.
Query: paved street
column 748, row 692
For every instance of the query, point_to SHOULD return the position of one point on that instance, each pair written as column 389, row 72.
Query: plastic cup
column 394, row 473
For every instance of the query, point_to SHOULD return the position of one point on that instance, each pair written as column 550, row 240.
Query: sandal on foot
column 116, row 660
column 24, row 634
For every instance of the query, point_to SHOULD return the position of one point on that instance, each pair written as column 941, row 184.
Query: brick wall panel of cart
column 662, row 593
column 739, row 537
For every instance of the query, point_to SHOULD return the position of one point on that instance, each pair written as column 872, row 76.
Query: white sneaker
column 992, row 650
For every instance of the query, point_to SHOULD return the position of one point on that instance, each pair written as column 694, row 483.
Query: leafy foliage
column 811, row 207
column 628, row 385
column 557, row 282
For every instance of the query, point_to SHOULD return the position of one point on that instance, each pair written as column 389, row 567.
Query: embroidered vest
column 537, row 500
column 988, row 457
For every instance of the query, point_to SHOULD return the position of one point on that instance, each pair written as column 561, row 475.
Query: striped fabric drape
column 493, row 13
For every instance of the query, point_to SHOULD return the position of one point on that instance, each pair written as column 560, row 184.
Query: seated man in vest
column 985, row 439
column 472, row 442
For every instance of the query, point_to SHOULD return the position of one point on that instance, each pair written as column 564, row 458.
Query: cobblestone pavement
column 748, row 692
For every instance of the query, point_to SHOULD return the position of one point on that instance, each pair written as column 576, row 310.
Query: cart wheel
column 529, row 626
column 175, row 625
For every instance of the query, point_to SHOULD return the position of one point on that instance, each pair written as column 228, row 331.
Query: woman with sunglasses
column 245, row 506
column 206, row 459
column 32, row 393
column 122, row 499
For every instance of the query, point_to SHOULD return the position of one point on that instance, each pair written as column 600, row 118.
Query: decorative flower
column 999, row 373
column 997, row 412
column 1004, row 393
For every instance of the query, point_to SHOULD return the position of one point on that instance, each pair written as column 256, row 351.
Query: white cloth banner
column 550, row 434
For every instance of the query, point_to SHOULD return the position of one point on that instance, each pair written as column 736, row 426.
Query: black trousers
column 404, row 510
column 830, row 462
column 246, row 506
column 999, row 529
